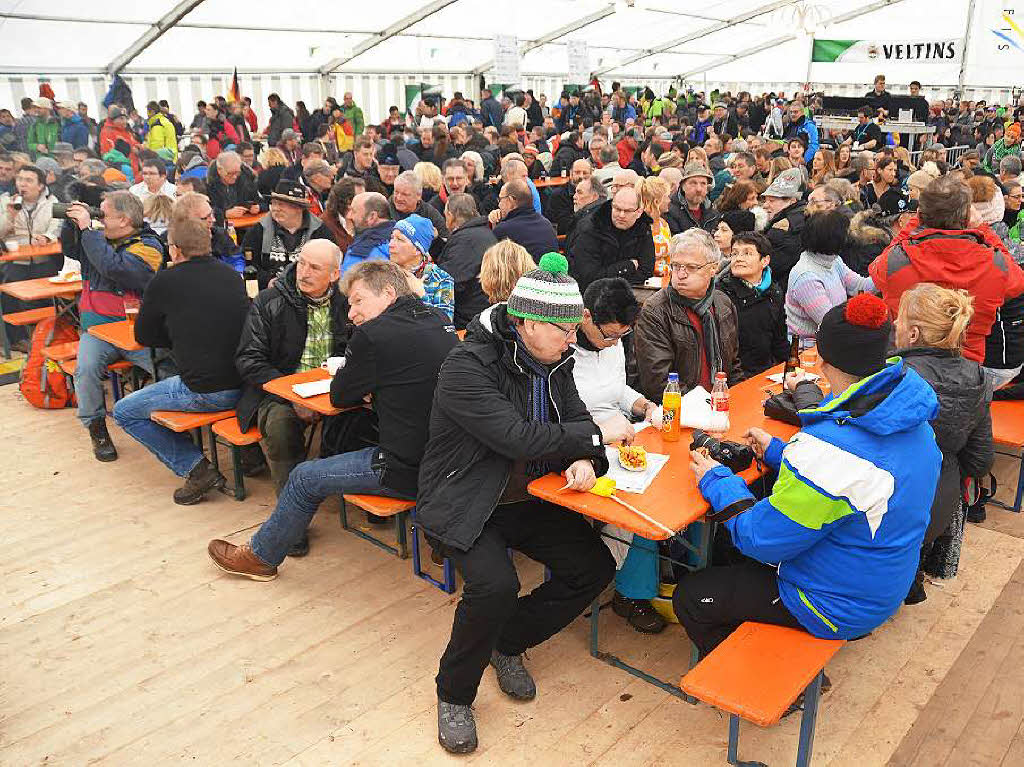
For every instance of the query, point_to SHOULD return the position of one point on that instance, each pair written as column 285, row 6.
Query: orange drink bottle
column 670, row 404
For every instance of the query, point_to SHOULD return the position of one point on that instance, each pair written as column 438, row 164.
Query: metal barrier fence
column 953, row 155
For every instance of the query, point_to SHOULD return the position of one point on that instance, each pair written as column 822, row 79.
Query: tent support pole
column 967, row 41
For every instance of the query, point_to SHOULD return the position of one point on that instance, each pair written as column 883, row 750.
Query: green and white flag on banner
column 414, row 94
column 874, row 51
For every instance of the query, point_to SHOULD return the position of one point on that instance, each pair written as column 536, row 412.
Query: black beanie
column 854, row 337
column 739, row 220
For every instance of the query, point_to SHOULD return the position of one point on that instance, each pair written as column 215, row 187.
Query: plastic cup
column 11, row 245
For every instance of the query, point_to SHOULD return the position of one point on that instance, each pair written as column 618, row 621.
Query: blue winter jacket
column 74, row 132
column 845, row 520
column 369, row 244
column 809, row 130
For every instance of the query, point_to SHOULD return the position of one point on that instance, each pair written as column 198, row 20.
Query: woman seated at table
column 410, row 249
column 599, row 370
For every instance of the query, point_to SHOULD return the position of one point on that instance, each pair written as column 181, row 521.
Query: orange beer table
column 550, row 181
column 41, row 289
column 26, row 252
column 246, row 220
column 120, row 334
column 282, row 387
column 672, row 498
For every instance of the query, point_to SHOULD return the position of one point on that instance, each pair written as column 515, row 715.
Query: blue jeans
column 177, row 451
column 308, row 485
column 638, row 576
column 93, row 357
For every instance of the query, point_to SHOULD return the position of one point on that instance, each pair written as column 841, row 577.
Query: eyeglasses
column 614, row 336
column 685, row 269
column 624, row 211
column 568, row 332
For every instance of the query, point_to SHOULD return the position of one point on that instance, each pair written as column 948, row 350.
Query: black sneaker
column 976, row 513
column 640, row 613
column 513, row 678
column 102, row 446
column 198, row 483
column 916, row 595
column 300, row 548
column 456, row 728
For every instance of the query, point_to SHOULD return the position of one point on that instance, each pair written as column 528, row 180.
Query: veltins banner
column 883, row 51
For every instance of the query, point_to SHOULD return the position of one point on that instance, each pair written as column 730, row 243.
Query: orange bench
column 228, row 431
column 22, row 319
column 382, row 507
column 60, row 352
column 69, row 366
column 757, row 673
column 1008, row 432
column 180, row 421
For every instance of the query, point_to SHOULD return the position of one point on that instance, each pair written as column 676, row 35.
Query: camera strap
column 730, row 511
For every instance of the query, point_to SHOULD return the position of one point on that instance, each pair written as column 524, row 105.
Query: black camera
column 732, row 455
column 60, row 210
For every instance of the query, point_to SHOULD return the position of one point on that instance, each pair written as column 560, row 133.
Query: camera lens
column 702, row 439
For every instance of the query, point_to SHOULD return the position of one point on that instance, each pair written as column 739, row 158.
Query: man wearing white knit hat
column 505, row 412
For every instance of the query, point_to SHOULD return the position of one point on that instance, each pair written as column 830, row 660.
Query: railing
column 953, row 155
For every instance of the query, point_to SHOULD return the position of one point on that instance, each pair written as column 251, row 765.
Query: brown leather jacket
column 666, row 342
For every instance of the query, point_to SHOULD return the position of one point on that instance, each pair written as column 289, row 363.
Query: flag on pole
column 234, row 94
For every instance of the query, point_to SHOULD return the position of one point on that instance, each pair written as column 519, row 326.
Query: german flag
column 234, row 94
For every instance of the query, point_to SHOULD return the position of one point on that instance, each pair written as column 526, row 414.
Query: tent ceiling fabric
column 626, row 40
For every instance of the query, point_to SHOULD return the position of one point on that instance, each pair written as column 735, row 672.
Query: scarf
column 539, row 399
column 704, row 308
column 765, row 283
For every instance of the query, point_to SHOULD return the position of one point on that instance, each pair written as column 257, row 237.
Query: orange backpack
column 43, row 383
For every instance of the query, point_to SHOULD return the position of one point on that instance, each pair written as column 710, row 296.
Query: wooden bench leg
column 808, row 720
column 448, row 585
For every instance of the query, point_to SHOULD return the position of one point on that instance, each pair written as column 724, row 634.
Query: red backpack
column 43, row 383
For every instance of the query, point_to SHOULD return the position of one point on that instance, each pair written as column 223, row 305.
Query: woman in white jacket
column 599, row 370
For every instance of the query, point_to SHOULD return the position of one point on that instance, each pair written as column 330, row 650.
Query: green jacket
column 162, row 135
column 1015, row 230
column 355, row 116
column 44, row 133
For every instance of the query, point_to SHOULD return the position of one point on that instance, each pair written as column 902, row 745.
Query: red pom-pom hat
column 866, row 311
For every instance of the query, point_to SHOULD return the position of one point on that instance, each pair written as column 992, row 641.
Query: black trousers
column 491, row 614
column 712, row 603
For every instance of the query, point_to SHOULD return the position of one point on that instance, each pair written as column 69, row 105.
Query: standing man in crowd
column 196, row 310
column 353, row 114
column 117, row 261
column 492, row 432
column 393, row 356
column 786, row 214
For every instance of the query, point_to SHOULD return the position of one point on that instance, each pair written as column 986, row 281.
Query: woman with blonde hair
column 157, row 212
column 654, row 201
column 430, row 176
column 502, row 265
column 930, row 329
column 823, row 167
column 778, row 165
column 274, row 163
column 697, row 154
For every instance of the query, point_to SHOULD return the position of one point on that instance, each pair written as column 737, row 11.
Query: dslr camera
column 733, row 455
column 60, row 210
column 84, row 193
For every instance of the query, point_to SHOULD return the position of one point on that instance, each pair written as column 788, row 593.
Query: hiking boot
column 456, row 728
column 252, row 460
column 513, row 678
column 300, row 548
column 102, row 446
column 916, row 595
column 640, row 613
column 239, row 560
column 198, row 483
column 975, row 513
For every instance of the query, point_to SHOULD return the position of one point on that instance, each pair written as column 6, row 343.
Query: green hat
column 547, row 293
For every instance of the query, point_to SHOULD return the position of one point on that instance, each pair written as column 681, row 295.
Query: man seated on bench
column 197, row 310
column 393, row 359
column 117, row 261
column 835, row 546
column 506, row 411
column 294, row 325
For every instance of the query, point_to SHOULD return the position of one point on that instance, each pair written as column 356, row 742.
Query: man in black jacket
column 559, row 203
column 760, row 304
column 505, row 412
column 516, row 220
column 394, row 355
column 232, row 186
column 690, row 206
column 614, row 241
column 293, row 326
column 408, row 199
column 463, row 254
column 590, row 194
column 785, row 223
column 197, row 310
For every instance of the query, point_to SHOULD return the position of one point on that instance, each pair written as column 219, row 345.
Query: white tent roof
column 629, row 38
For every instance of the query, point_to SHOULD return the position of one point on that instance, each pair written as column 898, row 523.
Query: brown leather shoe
column 239, row 560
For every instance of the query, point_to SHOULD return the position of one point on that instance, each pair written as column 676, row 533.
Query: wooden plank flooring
column 121, row 644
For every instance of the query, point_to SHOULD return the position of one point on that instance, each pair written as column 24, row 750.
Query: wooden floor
column 121, row 644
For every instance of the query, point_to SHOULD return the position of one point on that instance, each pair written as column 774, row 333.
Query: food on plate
column 633, row 457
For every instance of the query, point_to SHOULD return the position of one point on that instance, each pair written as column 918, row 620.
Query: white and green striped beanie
column 547, row 293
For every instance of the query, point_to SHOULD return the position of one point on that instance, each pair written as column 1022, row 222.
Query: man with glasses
column 614, row 241
column 515, row 219
column 506, row 411
column 688, row 327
